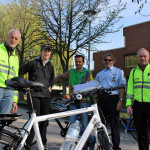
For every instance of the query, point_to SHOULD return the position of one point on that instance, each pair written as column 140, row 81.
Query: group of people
column 137, row 96
column 40, row 69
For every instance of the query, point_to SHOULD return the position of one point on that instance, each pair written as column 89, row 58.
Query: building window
column 130, row 61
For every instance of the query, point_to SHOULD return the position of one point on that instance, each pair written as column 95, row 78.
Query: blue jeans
column 6, row 100
column 90, row 143
column 84, row 122
column 83, row 117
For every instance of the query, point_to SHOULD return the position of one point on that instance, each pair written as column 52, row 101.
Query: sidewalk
column 54, row 140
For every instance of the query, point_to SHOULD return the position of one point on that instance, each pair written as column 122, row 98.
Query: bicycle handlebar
column 62, row 102
column 111, row 88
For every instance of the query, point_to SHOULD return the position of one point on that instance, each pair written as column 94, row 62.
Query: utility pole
column 89, row 14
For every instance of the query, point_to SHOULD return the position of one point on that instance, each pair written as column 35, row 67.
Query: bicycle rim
column 104, row 141
column 7, row 141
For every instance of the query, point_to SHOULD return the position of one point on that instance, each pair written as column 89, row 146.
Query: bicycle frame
column 129, row 121
column 94, row 123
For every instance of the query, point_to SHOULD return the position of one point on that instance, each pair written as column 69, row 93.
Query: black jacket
column 40, row 73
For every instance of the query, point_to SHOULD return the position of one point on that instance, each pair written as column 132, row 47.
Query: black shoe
column 116, row 148
column 45, row 147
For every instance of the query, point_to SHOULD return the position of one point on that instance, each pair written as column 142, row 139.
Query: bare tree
column 66, row 24
column 141, row 4
column 138, row 1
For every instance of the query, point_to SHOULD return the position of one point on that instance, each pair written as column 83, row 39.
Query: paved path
column 55, row 140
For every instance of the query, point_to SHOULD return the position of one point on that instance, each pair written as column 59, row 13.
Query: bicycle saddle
column 20, row 84
column 33, row 84
column 16, row 83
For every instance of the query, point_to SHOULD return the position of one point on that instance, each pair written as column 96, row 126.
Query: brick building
column 136, row 37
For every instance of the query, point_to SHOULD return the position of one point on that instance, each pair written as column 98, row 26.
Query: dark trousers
column 108, row 105
column 141, row 116
column 41, row 106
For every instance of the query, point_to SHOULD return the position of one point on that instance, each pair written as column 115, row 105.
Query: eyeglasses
column 108, row 60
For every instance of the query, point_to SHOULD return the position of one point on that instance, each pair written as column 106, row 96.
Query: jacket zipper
column 142, row 84
column 8, row 65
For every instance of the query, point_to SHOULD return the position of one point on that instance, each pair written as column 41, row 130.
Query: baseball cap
column 44, row 47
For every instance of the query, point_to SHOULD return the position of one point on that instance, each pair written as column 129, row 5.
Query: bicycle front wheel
column 103, row 140
column 9, row 141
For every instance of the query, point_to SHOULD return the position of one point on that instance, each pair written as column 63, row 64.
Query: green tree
column 18, row 14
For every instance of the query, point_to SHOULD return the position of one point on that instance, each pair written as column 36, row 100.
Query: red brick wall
column 136, row 36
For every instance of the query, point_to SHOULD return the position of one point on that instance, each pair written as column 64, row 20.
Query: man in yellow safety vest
column 139, row 90
column 9, row 65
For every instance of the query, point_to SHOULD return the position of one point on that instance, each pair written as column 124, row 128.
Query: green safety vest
column 9, row 67
column 138, row 85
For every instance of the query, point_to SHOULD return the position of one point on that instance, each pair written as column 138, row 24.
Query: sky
column 116, row 40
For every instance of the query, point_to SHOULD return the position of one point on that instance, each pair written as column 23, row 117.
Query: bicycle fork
column 100, row 129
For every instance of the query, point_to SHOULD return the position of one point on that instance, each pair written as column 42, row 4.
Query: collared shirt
column 43, row 62
column 110, row 78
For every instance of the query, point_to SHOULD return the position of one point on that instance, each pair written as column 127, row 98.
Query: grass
column 124, row 114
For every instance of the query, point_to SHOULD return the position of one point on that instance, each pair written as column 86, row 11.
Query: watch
column 121, row 99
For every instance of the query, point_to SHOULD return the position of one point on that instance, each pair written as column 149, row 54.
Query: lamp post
column 89, row 14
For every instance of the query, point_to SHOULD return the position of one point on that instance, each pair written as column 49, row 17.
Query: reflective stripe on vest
column 129, row 96
column 6, row 72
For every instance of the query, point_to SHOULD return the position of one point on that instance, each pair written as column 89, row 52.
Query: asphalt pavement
column 54, row 140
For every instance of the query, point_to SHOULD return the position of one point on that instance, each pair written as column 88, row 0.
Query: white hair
column 141, row 49
column 12, row 30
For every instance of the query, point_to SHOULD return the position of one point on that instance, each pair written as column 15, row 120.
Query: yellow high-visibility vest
column 138, row 85
column 9, row 66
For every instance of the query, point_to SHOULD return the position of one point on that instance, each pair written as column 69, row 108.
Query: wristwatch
column 121, row 99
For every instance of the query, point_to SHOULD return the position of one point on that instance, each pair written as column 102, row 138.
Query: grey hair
column 110, row 55
column 141, row 49
column 12, row 30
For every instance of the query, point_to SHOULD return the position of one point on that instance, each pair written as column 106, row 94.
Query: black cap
column 46, row 47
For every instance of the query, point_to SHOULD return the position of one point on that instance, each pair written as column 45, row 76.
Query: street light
column 89, row 14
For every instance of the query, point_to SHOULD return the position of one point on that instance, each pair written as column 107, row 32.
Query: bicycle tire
column 9, row 141
column 134, row 132
column 104, row 141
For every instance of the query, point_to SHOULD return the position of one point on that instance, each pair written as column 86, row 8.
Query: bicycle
column 17, row 140
column 129, row 126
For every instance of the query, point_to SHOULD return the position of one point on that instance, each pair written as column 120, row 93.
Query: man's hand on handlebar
column 67, row 97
